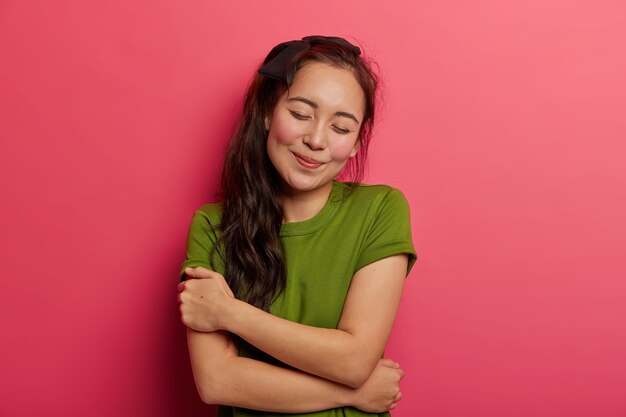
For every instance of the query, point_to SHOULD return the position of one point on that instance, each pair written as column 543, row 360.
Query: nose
column 316, row 138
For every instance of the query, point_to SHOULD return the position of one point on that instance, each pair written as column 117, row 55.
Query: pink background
column 504, row 125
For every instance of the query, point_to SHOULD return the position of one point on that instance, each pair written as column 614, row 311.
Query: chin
column 305, row 184
column 302, row 186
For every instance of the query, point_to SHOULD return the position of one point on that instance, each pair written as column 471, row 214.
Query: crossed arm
column 224, row 378
column 339, row 365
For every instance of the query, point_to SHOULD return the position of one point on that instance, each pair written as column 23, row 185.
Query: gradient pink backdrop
column 504, row 125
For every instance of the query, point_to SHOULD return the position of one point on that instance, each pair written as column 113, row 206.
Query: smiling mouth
column 307, row 162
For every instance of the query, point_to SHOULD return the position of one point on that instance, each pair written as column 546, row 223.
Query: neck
column 301, row 206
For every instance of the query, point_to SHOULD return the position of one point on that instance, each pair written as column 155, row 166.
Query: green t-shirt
column 321, row 254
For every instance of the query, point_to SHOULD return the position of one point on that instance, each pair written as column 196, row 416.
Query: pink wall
column 504, row 126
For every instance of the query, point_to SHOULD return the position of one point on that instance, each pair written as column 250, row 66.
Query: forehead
column 331, row 87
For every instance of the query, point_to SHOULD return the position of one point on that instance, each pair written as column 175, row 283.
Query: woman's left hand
column 204, row 299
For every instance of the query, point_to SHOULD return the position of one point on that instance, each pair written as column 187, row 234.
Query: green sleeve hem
column 192, row 263
column 389, row 249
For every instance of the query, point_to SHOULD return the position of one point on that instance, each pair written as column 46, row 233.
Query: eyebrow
column 315, row 106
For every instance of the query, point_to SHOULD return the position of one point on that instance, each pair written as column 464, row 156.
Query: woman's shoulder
column 371, row 192
column 211, row 212
column 212, row 208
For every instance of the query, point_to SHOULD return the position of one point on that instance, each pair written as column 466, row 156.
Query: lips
column 307, row 162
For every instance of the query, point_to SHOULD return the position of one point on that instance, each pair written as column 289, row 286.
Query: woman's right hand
column 381, row 391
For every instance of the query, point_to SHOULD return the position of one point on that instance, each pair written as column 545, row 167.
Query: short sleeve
column 201, row 238
column 389, row 232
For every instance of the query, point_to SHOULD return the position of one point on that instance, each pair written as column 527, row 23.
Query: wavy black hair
column 252, row 214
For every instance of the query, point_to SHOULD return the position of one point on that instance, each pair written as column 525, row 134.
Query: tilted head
column 278, row 72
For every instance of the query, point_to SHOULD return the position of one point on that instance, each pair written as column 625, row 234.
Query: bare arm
column 224, row 378
column 348, row 354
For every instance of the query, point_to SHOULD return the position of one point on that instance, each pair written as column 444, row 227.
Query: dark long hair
column 252, row 213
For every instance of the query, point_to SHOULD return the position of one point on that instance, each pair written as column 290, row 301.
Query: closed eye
column 341, row 130
column 299, row 116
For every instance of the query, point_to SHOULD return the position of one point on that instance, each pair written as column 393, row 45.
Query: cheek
column 341, row 150
column 284, row 130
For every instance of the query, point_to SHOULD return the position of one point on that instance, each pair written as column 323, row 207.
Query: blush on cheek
column 342, row 150
column 284, row 130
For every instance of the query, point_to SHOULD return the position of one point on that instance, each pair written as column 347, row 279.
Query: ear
column 356, row 148
column 268, row 121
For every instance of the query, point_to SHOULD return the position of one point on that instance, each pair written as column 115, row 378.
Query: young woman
column 298, row 276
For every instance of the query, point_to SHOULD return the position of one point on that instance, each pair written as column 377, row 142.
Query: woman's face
column 314, row 128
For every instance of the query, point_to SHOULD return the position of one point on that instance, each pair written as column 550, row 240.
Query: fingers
column 194, row 272
column 200, row 272
column 388, row 363
column 392, row 364
column 395, row 401
column 181, row 292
